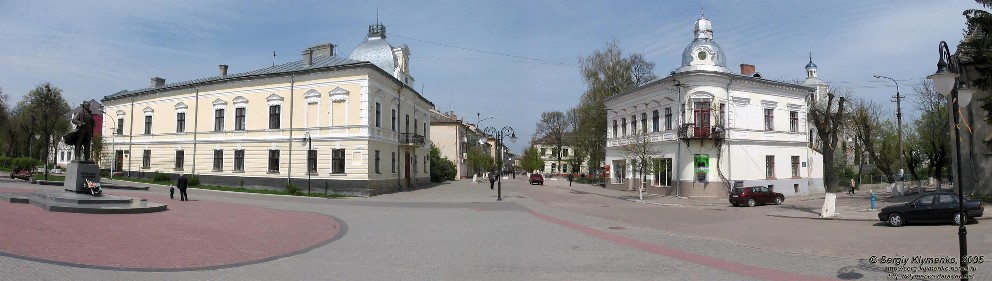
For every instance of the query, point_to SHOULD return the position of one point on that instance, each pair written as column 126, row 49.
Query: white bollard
column 829, row 206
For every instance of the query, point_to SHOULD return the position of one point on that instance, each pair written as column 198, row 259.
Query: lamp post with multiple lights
column 499, row 134
column 946, row 81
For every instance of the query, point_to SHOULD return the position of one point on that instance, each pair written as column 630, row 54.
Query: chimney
column 158, row 82
column 747, row 69
column 307, row 57
column 322, row 50
column 223, row 70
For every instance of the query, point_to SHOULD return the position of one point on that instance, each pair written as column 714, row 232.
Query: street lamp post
column 499, row 134
column 946, row 82
column 113, row 151
column 902, row 160
column 309, row 141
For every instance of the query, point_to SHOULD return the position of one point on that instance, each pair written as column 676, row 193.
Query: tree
column 606, row 73
column 579, row 150
column 442, row 169
column 47, row 107
column 479, row 160
column 639, row 149
column 877, row 138
column 551, row 131
column 531, row 160
column 6, row 145
column 932, row 128
column 827, row 120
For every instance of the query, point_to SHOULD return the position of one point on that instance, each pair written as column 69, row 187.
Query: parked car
column 932, row 207
column 754, row 195
column 23, row 174
column 536, row 178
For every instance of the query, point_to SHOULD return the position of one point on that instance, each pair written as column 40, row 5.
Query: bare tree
column 827, row 120
column 551, row 131
column 579, row 149
column 640, row 150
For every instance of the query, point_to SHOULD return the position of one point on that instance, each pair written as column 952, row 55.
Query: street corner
column 200, row 235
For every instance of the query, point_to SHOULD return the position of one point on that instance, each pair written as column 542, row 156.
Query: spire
column 811, row 67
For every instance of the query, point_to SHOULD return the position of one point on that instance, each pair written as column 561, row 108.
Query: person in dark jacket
column 181, row 185
column 492, row 179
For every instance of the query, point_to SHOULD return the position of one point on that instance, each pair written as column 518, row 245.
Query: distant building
column 709, row 129
column 367, row 126
column 453, row 137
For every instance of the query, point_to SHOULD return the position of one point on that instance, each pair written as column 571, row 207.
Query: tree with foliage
column 607, row 73
column 932, row 127
column 6, row 144
column 878, row 139
column 551, row 131
column 827, row 120
column 531, row 160
column 640, row 150
column 47, row 107
column 442, row 169
column 478, row 160
column 579, row 151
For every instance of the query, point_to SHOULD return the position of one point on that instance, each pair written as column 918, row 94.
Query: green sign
column 702, row 163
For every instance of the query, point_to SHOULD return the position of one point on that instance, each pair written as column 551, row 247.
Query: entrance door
column 119, row 161
column 701, row 115
column 406, row 169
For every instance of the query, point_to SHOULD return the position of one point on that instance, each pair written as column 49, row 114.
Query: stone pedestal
column 78, row 172
column 829, row 206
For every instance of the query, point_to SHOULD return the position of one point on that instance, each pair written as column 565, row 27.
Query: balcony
column 690, row 131
column 411, row 139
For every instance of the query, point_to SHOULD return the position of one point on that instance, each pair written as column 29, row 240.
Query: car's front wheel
column 778, row 200
column 959, row 219
column 895, row 219
column 750, row 202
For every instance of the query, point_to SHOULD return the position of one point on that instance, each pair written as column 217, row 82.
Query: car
column 536, row 178
column 932, row 207
column 753, row 195
column 23, row 174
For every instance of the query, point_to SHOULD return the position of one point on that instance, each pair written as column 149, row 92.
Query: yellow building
column 365, row 125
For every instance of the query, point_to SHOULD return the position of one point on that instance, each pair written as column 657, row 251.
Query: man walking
column 492, row 179
column 181, row 185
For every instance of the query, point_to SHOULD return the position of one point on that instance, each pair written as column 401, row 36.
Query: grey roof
column 318, row 62
column 377, row 51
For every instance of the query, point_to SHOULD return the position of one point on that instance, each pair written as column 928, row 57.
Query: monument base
column 77, row 174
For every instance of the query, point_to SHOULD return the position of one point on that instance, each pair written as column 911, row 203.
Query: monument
column 82, row 175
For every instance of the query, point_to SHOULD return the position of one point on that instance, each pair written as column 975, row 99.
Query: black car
column 932, row 207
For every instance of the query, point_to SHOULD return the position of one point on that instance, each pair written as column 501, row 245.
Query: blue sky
column 507, row 59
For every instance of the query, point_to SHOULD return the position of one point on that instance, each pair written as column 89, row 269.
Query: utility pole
column 902, row 160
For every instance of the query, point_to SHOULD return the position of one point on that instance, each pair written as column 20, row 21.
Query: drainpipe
column 289, row 170
column 726, row 137
column 196, row 126
column 678, row 145
column 130, row 140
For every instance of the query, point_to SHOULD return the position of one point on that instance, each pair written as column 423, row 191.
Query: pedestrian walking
column 570, row 177
column 492, row 179
column 172, row 192
column 852, row 187
column 181, row 184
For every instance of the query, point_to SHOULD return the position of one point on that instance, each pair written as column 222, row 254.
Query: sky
column 511, row 60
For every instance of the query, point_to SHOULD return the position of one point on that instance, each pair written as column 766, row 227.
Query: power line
column 485, row 52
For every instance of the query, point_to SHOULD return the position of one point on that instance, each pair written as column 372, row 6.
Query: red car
column 754, row 195
column 21, row 174
column 536, row 178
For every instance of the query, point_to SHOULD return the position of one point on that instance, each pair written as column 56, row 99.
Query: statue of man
column 83, row 135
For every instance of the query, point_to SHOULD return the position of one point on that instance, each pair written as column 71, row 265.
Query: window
column 377, row 161
column 794, row 121
column 393, row 159
column 769, row 119
column 312, row 161
column 614, row 129
column 413, row 159
column 407, row 129
column 564, row 152
column 623, row 126
column 426, row 165
column 148, row 124
column 723, row 114
column 633, row 124
column 274, row 116
column 120, row 125
column 947, row 199
column 544, row 151
column 394, row 120
column 770, row 166
column 218, row 159
column 239, row 160
column 180, row 122
column 925, row 200
column 337, row 161
column 274, row 159
column 644, row 122
column 180, row 158
column 425, row 129
column 795, row 166
column 219, row 119
column 619, row 171
column 239, row 118
column 378, row 115
column 146, row 159
column 662, row 171
column 654, row 121
column 415, row 126
column 668, row 118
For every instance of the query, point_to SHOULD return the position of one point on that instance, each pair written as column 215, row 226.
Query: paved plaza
column 458, row 231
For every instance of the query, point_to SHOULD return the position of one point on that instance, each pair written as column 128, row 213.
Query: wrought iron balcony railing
column 690, row 131
column 411, row 139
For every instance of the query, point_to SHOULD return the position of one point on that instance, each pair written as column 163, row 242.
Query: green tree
column 47, row 108
column 639, row 149
column 607, row 73
column 551, row 131
column 478, row 160
column 531, row 160
column 442, row 169
column 933, row 125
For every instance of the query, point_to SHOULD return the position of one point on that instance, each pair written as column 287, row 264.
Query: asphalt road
column 458, row 231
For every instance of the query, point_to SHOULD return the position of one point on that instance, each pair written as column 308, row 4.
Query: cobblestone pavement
column 457, row 231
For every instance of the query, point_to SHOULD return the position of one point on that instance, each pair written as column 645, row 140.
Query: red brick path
column 190, row 235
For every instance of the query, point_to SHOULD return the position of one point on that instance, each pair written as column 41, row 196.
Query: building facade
column 453, row 138
column 324, row 123
column 549, row 154
column 704, row 129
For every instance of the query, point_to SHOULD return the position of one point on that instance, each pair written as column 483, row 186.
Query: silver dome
column 376, row 50
column 716, row 60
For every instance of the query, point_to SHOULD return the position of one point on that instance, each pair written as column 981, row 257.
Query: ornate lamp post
column 309, row 141
column 499, row 134
column 946, row 82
